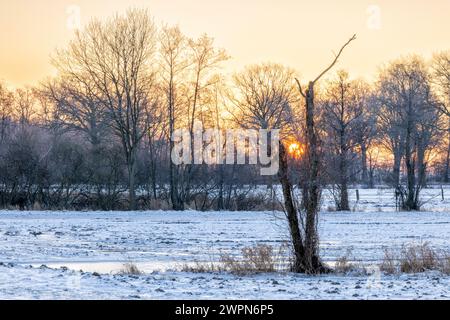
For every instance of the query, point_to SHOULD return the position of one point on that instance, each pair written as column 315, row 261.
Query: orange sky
column 298, row 33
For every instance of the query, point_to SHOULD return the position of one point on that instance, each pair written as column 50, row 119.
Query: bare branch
column 335, row 59
column 300, row 88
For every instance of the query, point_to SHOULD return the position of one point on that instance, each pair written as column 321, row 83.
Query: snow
column 99, row 243
column 29, row 283
column 379, row 199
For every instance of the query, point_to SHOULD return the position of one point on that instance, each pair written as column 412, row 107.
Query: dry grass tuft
column 200, row 267
column 445, row 264
column 415, row 259
column 263, row 259
column 389, row 264
column 130, row 269
column 343, row 265
column 418, row 258
column 258, row 259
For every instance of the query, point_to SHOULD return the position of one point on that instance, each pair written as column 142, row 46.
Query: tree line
column 98, row 134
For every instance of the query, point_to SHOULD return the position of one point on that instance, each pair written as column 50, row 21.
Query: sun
column 295, row 149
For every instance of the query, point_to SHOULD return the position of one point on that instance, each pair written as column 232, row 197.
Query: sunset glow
column 252, row 31
column 189, row 150
column 296, row 150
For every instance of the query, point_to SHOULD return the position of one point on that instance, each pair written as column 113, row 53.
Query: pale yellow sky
column 298, row 33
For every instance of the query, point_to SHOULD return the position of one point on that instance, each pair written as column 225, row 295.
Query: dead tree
column 305, row 240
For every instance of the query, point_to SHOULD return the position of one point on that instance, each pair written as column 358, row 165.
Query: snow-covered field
column 98, row 243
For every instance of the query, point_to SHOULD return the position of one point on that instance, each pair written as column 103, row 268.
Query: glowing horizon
column 295, row 33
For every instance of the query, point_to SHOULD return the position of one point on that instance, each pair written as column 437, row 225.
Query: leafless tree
column 76, row 107
column 204, row 60
column 365, row 130
column 263, row 96
column 118, row 57
column 24, row 106
column 174, row 64
column 409, row 116
column 6, row 110
column 343, row 117
column 441, row 78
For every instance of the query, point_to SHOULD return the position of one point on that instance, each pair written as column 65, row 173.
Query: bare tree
column 174, row 63
column 441, row 78
column 365, row 130
column 343, row 114
column 204, row 60
column 263, row 96
column 409, row 115
column 215, row 108
column 24, row 106
column 389, row 125
column 76, row 107
column 6, row 110
column 118, row 58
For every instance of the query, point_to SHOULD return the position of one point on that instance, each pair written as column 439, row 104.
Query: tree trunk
column 421, row 164
column 132, row 180
column 411, row 202
column 177, row 204
column 175, row 199
column 291, row 212
column 364, row 173
column 311, row 260
column 220, row 202
column 343, row 189
column 344, row 203
column 396, row 169
column 371, row 173
column 447, row 162
column 306, row 258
